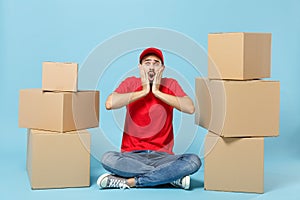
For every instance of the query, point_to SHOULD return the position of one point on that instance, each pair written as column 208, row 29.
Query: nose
column 151, row 67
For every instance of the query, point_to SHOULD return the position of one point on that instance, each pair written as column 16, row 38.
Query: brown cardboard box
column 234, row 164
column 238, row 108
column 203, row 102
column 58, row 160
column 239, row 56
column 58, row 111
column 58, row 76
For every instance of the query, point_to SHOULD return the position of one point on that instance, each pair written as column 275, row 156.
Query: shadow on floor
column 196, row 184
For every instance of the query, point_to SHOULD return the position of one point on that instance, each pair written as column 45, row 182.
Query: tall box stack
column 57, row 116
column 239, row 109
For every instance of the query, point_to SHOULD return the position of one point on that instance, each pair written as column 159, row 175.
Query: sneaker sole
column 100, row 179
column 187, row 181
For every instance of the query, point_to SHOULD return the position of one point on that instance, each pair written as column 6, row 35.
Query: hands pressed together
column 118, row 100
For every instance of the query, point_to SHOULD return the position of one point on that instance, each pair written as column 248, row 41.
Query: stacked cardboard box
column 238, row 109
column 57, row 116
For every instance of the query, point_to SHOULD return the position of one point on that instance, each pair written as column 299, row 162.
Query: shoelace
column 118, row 183
column 177, row 182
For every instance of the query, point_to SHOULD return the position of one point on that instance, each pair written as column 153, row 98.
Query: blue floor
column 282, row 179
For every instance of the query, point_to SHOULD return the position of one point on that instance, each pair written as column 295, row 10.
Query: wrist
column 156, row 93
column 144, row 92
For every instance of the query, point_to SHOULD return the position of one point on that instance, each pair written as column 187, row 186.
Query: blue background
column 35, row 31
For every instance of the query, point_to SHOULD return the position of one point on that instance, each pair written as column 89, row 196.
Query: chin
column 151, row 80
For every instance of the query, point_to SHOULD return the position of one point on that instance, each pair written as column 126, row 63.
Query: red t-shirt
column 148, row 123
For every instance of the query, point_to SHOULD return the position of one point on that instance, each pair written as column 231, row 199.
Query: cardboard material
column 58, row 160
column 239, row 56
column 238, row 108
column 234, row 164
column 58, row 76
column 58, row 111
column 203, row 102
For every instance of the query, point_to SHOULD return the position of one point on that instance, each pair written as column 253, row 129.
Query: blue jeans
column 150, row 168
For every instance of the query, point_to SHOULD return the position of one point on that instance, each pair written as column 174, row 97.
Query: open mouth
column 151, row 75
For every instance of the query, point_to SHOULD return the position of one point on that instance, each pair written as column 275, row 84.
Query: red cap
column 153, row 51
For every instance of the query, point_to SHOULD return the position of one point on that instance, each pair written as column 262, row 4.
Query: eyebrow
column 155, row 60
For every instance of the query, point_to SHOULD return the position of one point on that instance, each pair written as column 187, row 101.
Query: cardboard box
column 239, row 56
column 234, row 164
column 58, row 160
column 58, row 76
column 58, row 111
column 238, row 108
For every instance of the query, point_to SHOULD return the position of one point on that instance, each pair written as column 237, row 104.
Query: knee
column 194, row 162
column 107, row 158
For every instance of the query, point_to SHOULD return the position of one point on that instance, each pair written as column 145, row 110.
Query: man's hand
column 157, row 81
column 117, row 100
column 145, row 80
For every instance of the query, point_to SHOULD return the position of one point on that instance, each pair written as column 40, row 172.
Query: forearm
column 118, row 100
column 184, row 104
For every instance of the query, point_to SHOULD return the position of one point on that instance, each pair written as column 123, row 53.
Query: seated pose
column 146, row 158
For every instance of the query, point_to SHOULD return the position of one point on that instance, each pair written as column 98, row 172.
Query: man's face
column 151, row 65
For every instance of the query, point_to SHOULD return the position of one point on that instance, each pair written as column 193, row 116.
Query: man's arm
column 183, row 104
column 118, row 100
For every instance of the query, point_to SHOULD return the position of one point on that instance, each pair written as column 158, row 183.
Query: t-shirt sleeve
column 126, row 86
column 176, row 89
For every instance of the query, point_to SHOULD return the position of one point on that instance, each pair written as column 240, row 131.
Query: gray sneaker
column 111, row 181
column 182, row 183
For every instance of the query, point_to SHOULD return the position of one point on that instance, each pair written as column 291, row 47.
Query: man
column 146, row 158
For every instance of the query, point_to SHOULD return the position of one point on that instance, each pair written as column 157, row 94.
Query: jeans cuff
column 136, row 181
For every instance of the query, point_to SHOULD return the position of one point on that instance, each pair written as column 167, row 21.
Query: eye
column 157, row 64
column 147, row 64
